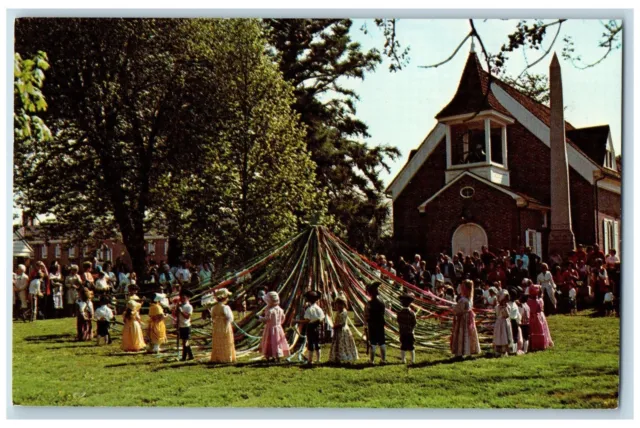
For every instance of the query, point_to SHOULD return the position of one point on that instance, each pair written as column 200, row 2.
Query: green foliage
column 316, row 55
column 28, row 98
column 581, row 371
column 255, row 180
column 168, row 123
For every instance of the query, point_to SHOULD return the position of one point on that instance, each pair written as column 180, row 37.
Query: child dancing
column 407, row 323
column 374, row 317
column 343, row 346
column 274, row 342
column 464, row 335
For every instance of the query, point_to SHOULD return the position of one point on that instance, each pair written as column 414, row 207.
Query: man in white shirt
column 183, row 275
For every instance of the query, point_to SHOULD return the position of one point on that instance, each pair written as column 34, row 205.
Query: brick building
column 50, row 249
column 483, row 176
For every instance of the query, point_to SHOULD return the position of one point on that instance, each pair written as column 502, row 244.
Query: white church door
column 468, row 238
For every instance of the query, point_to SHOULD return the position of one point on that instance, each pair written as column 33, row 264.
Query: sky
column 399, row 108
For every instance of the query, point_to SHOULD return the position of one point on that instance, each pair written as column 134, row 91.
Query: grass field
column 581, row 371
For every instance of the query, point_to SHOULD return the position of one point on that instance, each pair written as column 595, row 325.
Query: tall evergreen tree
column 316, row 55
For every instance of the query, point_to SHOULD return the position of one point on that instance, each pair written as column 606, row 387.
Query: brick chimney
column 561, row 237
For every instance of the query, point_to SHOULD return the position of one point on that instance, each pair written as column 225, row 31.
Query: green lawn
column 581, row 371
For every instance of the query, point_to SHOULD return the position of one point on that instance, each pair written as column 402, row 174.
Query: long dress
column 274, row 342
column 464, row 336
column 502, row 331
column 539, row 335
column 132, row 338
column 343, row 346
column 84, row 316
column 223, row 349
column 157, row 331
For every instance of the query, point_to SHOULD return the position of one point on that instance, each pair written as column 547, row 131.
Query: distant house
column 49, row 249
column 483, row 176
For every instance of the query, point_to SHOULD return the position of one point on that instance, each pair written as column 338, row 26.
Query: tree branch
column 545, row 53
column 452, row 55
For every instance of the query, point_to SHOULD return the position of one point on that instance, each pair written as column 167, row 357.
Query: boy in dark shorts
column 104, row 317
column 525, row 314
column 313, row 319
column 184, row 323
column 407, row 323
column 374, row 317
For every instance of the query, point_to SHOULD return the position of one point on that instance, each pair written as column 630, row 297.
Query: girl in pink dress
column 274, row 343
column 539, row 335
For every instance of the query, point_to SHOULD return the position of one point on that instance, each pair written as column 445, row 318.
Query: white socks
column 413, row 357
column 156, row 348
column 318, row 356
column 525, row 346
column 404, row 360
column 383, row 353
column 310, row 356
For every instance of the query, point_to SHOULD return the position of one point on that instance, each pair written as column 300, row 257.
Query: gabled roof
column 474, row 84
column 471, row 95
column 592, row 141
column 521, row 199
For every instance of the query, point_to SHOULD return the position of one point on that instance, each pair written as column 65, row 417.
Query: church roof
column 471, row 96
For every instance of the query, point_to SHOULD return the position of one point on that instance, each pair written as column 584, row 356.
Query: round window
column 467, row 192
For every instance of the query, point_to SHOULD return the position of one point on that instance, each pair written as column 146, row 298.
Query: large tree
column 316, row 56
column 135, row 106
column 255, row 184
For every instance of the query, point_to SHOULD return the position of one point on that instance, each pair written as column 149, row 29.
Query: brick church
column 503, row 170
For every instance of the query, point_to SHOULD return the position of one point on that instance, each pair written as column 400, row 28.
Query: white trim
column 487, row 140
column 411, row 168
column 494, row 172
column 459, row 118
column 504, row 148
column 612, row 153
column 448, row 148
column 57, row 251
column 581, row 163
column 519, row 200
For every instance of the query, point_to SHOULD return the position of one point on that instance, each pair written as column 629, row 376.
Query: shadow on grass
column 51, row 338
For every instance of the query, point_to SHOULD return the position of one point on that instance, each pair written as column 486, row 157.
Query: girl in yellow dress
column 223, row 349
column 132, row 339
column 157, row 331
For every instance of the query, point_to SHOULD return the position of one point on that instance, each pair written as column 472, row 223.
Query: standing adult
column 205, row 273
column 57, row 290
column 84, row 315
column 20, row 287
column 448, row 270
column 183, row 275
column 523, row 257
column 545, row 279
column 534, row 262
column 596, row 257
column 72, row 284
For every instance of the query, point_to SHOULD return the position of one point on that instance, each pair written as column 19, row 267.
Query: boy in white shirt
column 184, row 312
column 313, row 318
column 608, row 302
column 103, row 316
column 514, row 318
column 573, row 302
